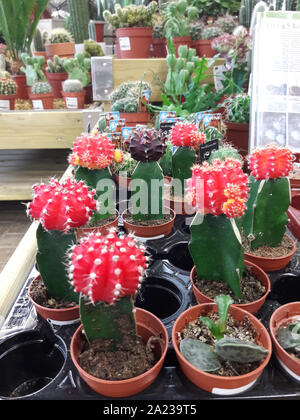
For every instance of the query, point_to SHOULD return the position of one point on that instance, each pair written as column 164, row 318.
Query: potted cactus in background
column 79, row 20
column 56, row 74
column 41, row 95
column 96, row 24
column 265, row 221
column 73, row 94
column 221, row 348
column 219, row 192
column 92, row 155
column 78, row 68
column 107, row 272
column 60, row 42
column 126, row 100
column 205, row 44
column 133, row 25
column 33, row 70
column 147, row 215
column 39, row 41
column 60, row 208
column 159, row 41
column 8, row 92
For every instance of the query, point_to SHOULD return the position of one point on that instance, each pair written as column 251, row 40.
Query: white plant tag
column 218, row 72
column 37, row 104
column 72, row 103
column 124, row 44
column 4, row 105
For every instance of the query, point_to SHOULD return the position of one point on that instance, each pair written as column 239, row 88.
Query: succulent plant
column 79, row 19
column 55, row 65
column 107, row 271
column 219, row 192
column 92, row 49
column 288, row 336
column 177, row 16
column 60, row 208
column 237, row 108
column 131, row 16
column 210, row 32
column 226, row 348
column 147, row 146
column 59, row 36
column 196, row 29
column 126, row 165
column 78, row 68
column 227, row 23
column 7, row 86
column 129, row 104
column 33, row 69
column 41, row 88
column 125, row 98
column 40, row 39
column 92, row 155
column 224, row 152
column 265, row 221
column 72, row 85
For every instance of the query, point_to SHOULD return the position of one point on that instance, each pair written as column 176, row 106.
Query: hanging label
column 72, row 103
column 124, row 44
column 4, row 105
column 37, row 104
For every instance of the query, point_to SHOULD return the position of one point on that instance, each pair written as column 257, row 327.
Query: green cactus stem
column 182, row 160
column 78, row 68
column 51, row 260
column 79, row 19
column 216, row 249
column 265, row 219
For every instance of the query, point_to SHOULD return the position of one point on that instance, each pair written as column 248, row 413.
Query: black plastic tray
column 171, row 384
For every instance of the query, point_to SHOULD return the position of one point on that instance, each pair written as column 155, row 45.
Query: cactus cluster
column 78, row 68
column 39, row 88
column 92, row 151
column 210, row 32
column 131, row 16
column 177, row 16
column 196, row 29
column 92, row 49
column 125, row 98
column 55, row 65
column 59, row 36
column 129, row 104
column 147, row 145
column 70, row 85
column 7, row 86
column 33, row 68
column 125, row 164
column 226, row 23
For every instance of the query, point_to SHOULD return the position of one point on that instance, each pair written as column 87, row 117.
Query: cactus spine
column 79, row 19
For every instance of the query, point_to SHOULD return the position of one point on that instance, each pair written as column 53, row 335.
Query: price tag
column 72, row 103
column 4, row 105
column 37, row 104
column 207, row 148
column 124, row 43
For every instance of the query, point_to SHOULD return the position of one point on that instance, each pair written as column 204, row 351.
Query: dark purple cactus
column 147, row 145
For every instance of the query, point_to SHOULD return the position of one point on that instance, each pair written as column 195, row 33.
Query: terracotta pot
column 10, row 101
column 215, row 384
column 203, row 48
column 281, row 317
column 252, row 307
column 272, row 264
column 55, row 80
column 99, row 29
column 63, row 49
column 149, row 231
column 159, row 47
column 46, row 98
column 133, row 42
column 21, row 86
column 74, row 100
column 134, row 118
column 122, row 181
column 181, row 40
column 238, row 135
column 179, row 206
column 104, row 229
column 147, row 325
column 293, row 213
column 63, row 316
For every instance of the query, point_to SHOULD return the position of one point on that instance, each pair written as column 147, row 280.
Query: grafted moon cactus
column 265, row 220
column 60, row 208
column 218, row 191
column 147, row 146
column 107, row 271
column 187, row 138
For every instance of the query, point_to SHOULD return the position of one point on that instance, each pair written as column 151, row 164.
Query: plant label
column 124, row 43
column 72, row 103
column 4, row 105
column 37, row 104
column 218, row 72
column 207, row 148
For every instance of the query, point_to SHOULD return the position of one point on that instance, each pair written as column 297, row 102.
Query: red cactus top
column 186, row 134
column 219, row 187
column 62, row 206
column 271, row 161
column 92, row 151
column 106, row 268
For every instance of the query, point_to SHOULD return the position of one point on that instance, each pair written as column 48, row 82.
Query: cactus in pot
column 218, row 191
column 147, row 146
column 7, row 86
column 60, row 207
column 40, row 88
column 55, row 65
column 79, row 19
column 33, row 68
column 265, row 220
column 78, row 68
column 59, row 36
column 72, row 85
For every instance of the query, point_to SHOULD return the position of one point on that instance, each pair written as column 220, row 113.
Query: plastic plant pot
column 252, row 307
column 29, row 363
column 181, row 40
column 159, row 47
column 42, row 101
column 203, row 48
column 63, row 49
column 286, row 288
column 21, row 86
column 134, row 118
column 133, row 42
column 55, row 80
column 104, row 229
column 220, row 385
column 281, row 317
column 74, row 100
column 8, row 102
column 179, row 256
column 147, row 325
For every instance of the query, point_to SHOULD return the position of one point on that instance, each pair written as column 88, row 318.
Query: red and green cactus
column 218, row 191
column 186, row 138
column 147, row 146
column 92, row 155
column 107, row 271
column 265, row 220
column 60, row 208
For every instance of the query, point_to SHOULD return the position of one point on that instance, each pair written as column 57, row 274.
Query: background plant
column 78, row 68
column 177, row 17
column 131, row 16
column 214, row 8
column 237, row 108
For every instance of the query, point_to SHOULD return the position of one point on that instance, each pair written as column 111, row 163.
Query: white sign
column 4, row 105
column 124, row 44
column 72, row 103
column 218, row 72
column 37, row 104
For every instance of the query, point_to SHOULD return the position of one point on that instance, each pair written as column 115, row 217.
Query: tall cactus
column 218, row 191
column 246, row 10
column 265, row 219
column 79, row 19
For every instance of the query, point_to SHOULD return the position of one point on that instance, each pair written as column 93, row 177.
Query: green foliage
column 166, row 160
column 127, row 165
column 182, row 161
column 224, row 152
column 55, row 65
column 78, row 68
column 240, row 351
column 238, row 108
column 40, row 39
column 210, row 32
column 200, row 355
column 196, row 29
column 218, row 328
column 79, row 19
column 92, row 49
column 7, row 86
column 177, row 17
column 72, row 85
column 131, row 16
column 289, row 336
column 214, row 8
column 34, row 69
column 18, row 23
column 41, row 88
column 59, row 36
